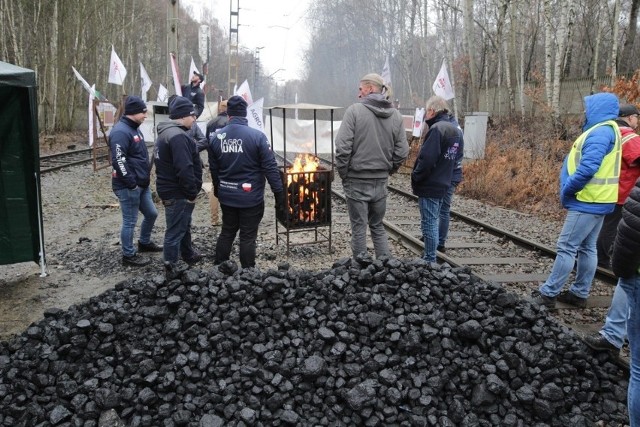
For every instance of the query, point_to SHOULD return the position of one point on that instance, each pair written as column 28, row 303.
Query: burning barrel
column 307, row 194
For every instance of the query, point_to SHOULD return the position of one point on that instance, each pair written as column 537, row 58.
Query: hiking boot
column 173, row 270
column 600, row 343
column 441, row 249
column 148, row 247
column 543, row 300
column 570, row 298
column 196, row 257
column 135, row 260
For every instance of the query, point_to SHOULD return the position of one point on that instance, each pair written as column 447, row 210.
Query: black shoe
column 570, row 298
column 135, row 260
column 193, row 259
column 148, row 247
column 543, row 300
column 441, row 249
column 600, row 343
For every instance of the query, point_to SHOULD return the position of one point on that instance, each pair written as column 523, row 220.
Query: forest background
column 527, row 49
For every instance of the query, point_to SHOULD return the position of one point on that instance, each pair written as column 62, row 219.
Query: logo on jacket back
column 230, row 145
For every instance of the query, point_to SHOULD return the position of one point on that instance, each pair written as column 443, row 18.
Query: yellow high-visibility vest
column 603, row 186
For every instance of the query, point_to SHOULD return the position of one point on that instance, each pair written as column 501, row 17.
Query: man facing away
column 431, row 178
column 625, row 263
column 613, row 333
column 130, row 178
column 178, row 182
column 240, row 158
column 589, row 191
column 371, row 144
column 194, row 93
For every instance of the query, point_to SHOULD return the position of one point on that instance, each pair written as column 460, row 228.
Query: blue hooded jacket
column 598, row 108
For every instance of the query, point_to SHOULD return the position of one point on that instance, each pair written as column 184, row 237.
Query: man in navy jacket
column 130, row 182
column 240, row 158
column 178, row 182
column 433, row 170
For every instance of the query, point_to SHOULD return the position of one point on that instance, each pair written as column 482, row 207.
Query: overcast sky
column 278, row 27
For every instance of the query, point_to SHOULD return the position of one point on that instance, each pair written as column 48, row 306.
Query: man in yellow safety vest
column 589, row 191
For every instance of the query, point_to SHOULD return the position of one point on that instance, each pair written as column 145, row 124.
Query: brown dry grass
column 521, row 167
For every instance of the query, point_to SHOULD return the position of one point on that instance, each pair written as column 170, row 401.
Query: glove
column 279, row 197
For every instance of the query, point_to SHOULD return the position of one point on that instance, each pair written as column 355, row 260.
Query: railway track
column 65, row 159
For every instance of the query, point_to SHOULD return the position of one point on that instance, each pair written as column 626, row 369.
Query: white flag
column 418, row 120
column 88, row 88
column 192, row 69
column 442, row 85
column 176, row 77
column 295, row 114
column 386, row 74
column 163, row 94
column 245, row 92
column 146, row 82
column 117, row 72
column 254, row 115
column 91, row 114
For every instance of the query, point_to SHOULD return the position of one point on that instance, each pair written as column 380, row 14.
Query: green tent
column 21, row 236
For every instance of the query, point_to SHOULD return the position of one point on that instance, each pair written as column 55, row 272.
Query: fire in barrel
column 308, row 194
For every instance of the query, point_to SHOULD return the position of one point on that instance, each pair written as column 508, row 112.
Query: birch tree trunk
column 614, row 44
column 468, row 40
column 596, row 53
column 565, row 12
column 548, row 51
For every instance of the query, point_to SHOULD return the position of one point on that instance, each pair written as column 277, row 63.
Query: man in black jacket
column 625, row 263
column 194, row 93
column 178, row 181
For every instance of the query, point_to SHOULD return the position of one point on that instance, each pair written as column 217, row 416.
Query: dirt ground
column 81, row 231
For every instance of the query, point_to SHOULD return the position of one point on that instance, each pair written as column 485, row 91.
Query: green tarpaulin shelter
column 21, row 234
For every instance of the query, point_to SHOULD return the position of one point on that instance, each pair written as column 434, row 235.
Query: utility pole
column 172, row 37
column 234, row 24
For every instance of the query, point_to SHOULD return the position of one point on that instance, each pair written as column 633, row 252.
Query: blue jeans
column 632, row 288
column 578, row 237
column 615, row 326
column 177, row 237
column 132, row 201
column 367, row 205
column 429, row 218
column 445, row 214
column 247, row 220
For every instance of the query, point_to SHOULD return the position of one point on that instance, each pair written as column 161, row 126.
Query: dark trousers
column 247, row 221
column 607, row 236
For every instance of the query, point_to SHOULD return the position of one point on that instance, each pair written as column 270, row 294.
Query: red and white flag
column 442, row 85
column 245, row 92
column 163, row 94
column 176, row 76
column 418, row 120
column 117, row 71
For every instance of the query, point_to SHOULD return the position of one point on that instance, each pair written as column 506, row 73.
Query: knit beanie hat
column 134, row 105
column 236, row 106
column 180, row 107
column 374, row 79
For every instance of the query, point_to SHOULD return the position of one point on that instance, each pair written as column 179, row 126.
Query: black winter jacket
column 178, row 164
column 129, row 156
column 625, row 261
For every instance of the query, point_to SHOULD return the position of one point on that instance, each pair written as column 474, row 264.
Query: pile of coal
column 373, row 343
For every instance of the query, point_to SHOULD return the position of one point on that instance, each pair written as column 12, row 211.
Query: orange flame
column 301, row 164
